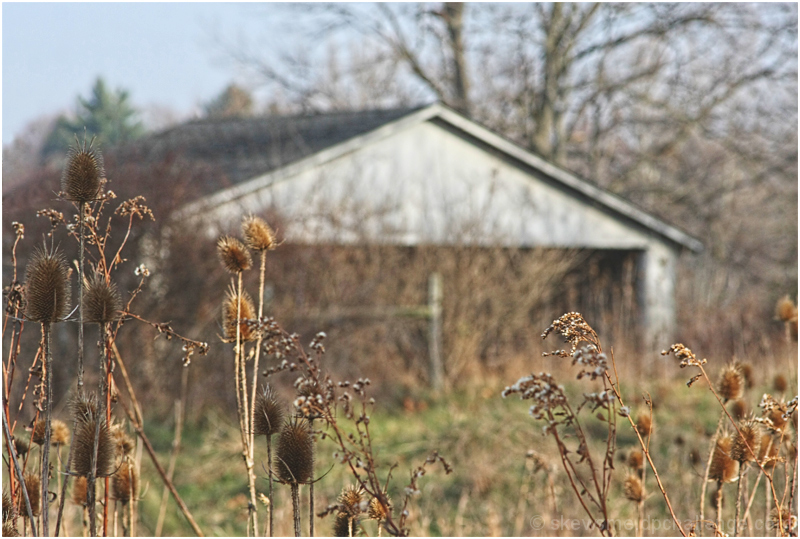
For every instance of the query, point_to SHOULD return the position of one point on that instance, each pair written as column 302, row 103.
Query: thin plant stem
column 738, row 501
column 48, row 377
column 311, row 489
column 719, row 505
column 296, row 508
column 707, row 471
column 81, row 258
column 271, row 499
column 13, row 452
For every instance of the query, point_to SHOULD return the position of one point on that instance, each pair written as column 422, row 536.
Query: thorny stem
column 719, row 505
column 738, row 501
column 271, row 499
column 13, row 452
column 81, row 257
column 707, row 471
column 296, row 508
column 48, row 377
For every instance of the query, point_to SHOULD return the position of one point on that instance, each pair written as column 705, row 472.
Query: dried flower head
column 84, row 448
column 644, row 423
column 102, row 302
column 377, row 511
column 79, row 486
column 123, row 444
column 635, row 459
column 83, row 408
column 245, row 310
column 633, row 489
column 37, row 432
column 47, row 291
column 34, row 487
column 257, row 233
column 350, row 500
column 9, row 511
column 785, row 309
column 739, row 409
column 749, row 375
column 83, row 174
column 731, row 382
column 125, row 482
column 749, row 434
column 782, row 519
column 768, row 451
column 233, row 254
column 21, row 447
column 295, row 452
column 60, row 433
column 685, row 355
column 268, row 413
column 344, row 525
column 574, row 329
column 9, row 530
column 723, row 468
column 779, row 383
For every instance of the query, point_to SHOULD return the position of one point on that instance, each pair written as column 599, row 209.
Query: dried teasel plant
column 84, row 448
column 83, row 174
column 350, row 509
column 238, row 308
column 234, row 255
column 295, row 461
column 102, row 301
column 267, row 421
column 34, row 487
column 731, row 382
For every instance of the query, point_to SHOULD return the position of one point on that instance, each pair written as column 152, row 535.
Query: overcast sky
column 163, row 54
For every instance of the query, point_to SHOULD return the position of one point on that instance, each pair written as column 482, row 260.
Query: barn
column 421, row 176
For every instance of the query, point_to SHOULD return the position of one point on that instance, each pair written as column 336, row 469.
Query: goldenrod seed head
column 731, row 382
column 749, row 434
column 102, row 301
column 233, row 254
column 125, row 482
column 83, row 174
column 633, row 489
column 245, row 310
column 268, row 413
column 47, row 291
column 723, row 468
column 295, row 452
column 258, row 234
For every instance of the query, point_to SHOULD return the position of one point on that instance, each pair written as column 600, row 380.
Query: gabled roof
column 255, row 153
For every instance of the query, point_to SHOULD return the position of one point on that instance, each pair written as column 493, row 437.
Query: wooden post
column 435, row 331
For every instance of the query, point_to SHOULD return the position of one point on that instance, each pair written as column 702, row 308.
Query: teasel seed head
column 268, row 414
column 247, row 311
column 101, row 301
column 295, row 452
column 257, row 233
column 785, row 309
column 125, row 482
column 731, row 382
column 83, row 408
column 633, row 489
column 9, row 512
column 749, row 375
column 350, row 500
column 749, row 435
column 83, row 174
column 768, row 451
column 779, row 383
column 9, row 530
column 636, row 459
column 21, row 446
column 377, row 511
column 47, row 291
column 84, row 448
column 775, row 415
column 344, row 525
column 59, row 434
column 123, row 444
column 37, row 432
column 723, row 468
column 79, row 486
column 34, row 487
column 644, row 423
column 233, row 254
column 739, row 409
column 781, row 517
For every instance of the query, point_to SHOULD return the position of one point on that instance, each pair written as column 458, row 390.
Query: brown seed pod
column 83, row 408
column 125, row 482
column 21, row 446
column 344, row 525
column 377, row 511
column 749, row 435
column 230, row 310
column 59, row 433
column 768, row 451
column 775, row 415
column 233, row 254
column 8, row 511
column 101, row 301
column 295, row 452
column 749, row 375
column 731, row 382
column 785, row 309
column 79, row 487
column 779, row 383
column 635, row 459
column 644, row 423
column 9, row 530
column 34, row 487
column 633, row 489
column 268, row 413
column 83, row 174
column 739, row 409
column 47, row 291
column 723, row 468
column 258, row 234
column 84, row 448
column 782, row 518
column 350, row 500
column 123, row 444
column 37, row 432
